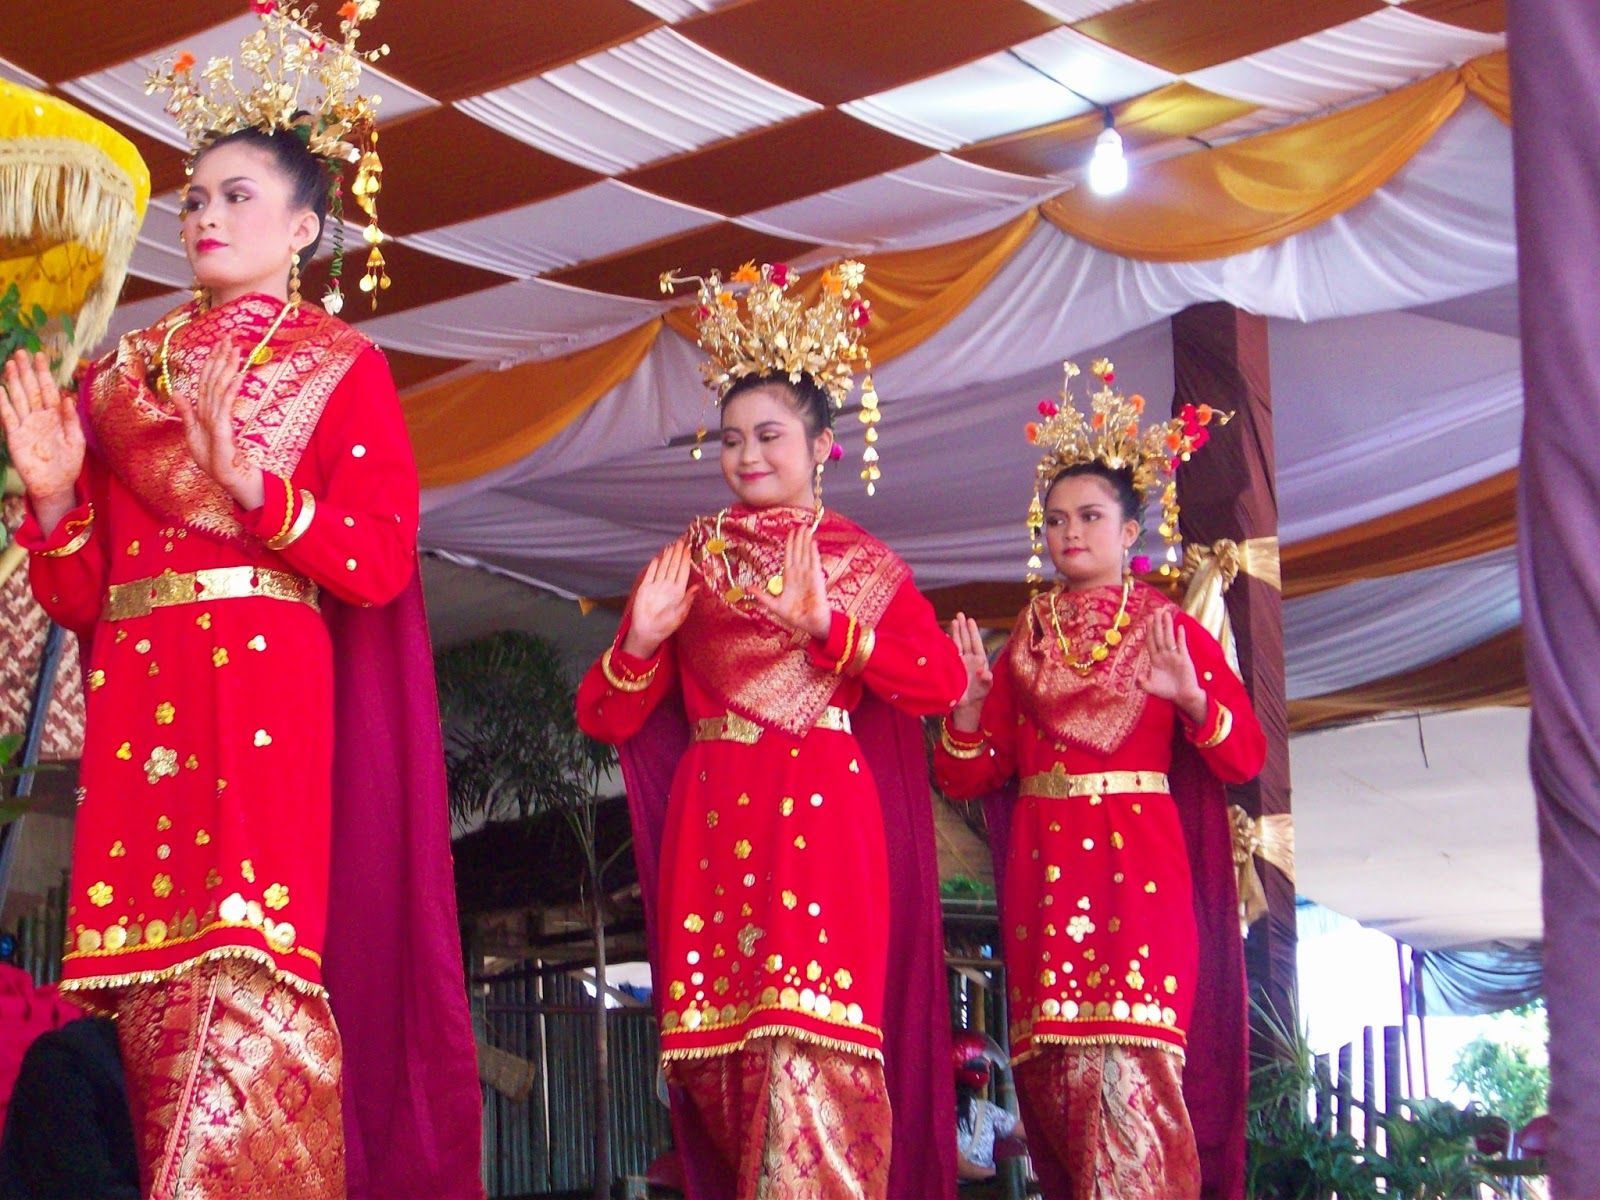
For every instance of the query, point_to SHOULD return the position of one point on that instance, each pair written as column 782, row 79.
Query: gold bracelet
column 849, row 646
column 288, row 511
column 637, row 684
column 302, row 522
column 84, row 528
column 955, row 749
column 864, row 647
column 1220, row 732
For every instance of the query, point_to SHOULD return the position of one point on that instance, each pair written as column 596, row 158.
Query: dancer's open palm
column 661, row 601
column 964, row 632
column 208, row 417
column 803, row 601
column 43, row 433
column 1168, row 672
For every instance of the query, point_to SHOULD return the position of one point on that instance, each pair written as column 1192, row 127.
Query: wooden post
column 1229, row 491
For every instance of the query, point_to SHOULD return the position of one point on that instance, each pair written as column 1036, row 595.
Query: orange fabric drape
column 466, row 427
column 915, row 292
column 1485, row 675
column 1260, row 190
column 463, row 428
column 1473, row 520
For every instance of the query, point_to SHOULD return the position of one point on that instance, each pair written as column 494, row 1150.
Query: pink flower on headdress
column 779, row 274
column 1047, row 408
column 1109, row 376
column 318, row 45
column 1140, row 564
column 263, row 8
column 836, row 453
column 861, row 313
column 703, row 312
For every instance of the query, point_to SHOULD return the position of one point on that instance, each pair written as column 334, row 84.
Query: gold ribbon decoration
column 1269, row 838
column 1209, row 572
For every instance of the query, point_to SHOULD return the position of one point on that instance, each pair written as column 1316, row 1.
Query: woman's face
column 767, row 456
column 240, row 223
column 1086, row 532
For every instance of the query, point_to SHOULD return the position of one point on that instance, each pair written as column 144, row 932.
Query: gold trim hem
column 1039, row 1041
column 798, row 1033
column 96, row 983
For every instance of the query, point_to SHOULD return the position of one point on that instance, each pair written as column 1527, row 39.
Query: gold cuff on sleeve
column 77, row 541
column 626, row 681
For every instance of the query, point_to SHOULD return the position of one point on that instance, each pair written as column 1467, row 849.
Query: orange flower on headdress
column 349, row 11
column 1098, row 420
column 746, row 274
column 1031, row 431
column 727, row 300
column 1137, row 401
column 183, row 62
column 831, row 283
column 1174, row 440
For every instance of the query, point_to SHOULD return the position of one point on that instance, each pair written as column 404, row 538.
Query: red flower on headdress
column 836, row 453
column 861, row 313
column 263, row 8
column 318, row 45
column 779, row 273
column 1140, row 564
column 1199, row 438
column 184, row 62
column 1109, row 376
column 1047, row 408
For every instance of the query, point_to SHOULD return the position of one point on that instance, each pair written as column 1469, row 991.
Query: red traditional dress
column 200, row 882
column 1100, row 935
column 772, row 920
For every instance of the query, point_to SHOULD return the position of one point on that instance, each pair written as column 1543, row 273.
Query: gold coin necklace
column 260, row 356
column 1109, row 640
column 718, row 545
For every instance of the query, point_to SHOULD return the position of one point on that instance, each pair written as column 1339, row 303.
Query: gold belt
column 731, row 727
column 140, row 597
column 1058, row 785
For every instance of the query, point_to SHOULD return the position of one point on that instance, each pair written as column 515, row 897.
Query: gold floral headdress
column 751, row 326
column 289, row 60
column 1111, row 434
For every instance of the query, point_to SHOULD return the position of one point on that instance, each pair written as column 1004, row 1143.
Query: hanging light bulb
column 1108, row 169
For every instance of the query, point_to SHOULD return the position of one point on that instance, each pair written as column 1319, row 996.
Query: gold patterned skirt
column 793, row 1120
column 233, row 1081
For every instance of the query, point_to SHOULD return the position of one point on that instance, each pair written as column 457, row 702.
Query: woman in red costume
column 230, row 526
column 774, row 623
column 1103, row 683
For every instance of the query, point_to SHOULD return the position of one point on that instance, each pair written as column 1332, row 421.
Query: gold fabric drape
column 1210, row 572
column 1467, row 522
column 1270, row 838
column 463, row 428
column 914, row 293
column 73, row 193
column 1260, row 190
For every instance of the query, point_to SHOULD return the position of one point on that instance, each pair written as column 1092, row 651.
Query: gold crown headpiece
column 290, row 60
column 1111, row 434
column 752, row 326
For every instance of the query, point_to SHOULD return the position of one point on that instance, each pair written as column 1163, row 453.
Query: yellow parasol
column 73, row 193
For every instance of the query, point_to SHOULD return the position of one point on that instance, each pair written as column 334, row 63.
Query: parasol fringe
column 59, row 191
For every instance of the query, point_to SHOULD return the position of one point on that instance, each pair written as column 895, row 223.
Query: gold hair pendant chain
column 718, row 545
column 259, row 356
column 1108, row 641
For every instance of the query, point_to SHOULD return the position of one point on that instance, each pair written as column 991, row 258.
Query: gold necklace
column 1111, row 638
column 260, row 356
column 718, row 545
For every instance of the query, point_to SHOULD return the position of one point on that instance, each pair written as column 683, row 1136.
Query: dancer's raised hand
column 802, row 601
column 661, row 601
column 964, row 632
column 208, row 425
column 43, row 434
column 1168, row 671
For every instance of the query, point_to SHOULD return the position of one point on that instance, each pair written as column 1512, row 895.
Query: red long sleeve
column 1229, row 739
column 69, row 566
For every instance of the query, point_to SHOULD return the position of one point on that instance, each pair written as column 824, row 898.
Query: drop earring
column 294, row 281
column 816, row 486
